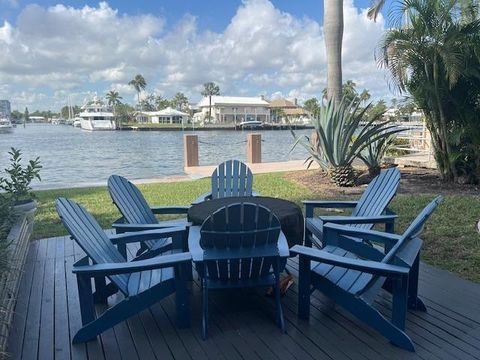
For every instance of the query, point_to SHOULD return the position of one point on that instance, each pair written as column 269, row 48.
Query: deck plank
column 32, row 329
column 62, row 340
column 242, row 324
column 17, row 332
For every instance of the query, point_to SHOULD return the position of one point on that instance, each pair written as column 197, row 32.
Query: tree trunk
column 333, row 32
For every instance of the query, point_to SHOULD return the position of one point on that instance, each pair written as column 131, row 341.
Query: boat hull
column 97, row 125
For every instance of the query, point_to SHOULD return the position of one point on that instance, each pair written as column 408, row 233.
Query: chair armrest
column 157, row 262
column 329, row 204
column 364, row 234
column 166, row 210
column 138, row 236
column 371, row 267
column 381, row 219
column 142, row 227
column 204, row 197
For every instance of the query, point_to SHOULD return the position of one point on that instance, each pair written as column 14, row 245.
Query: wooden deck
column 241, row 323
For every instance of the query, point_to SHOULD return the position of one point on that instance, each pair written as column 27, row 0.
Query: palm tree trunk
column 333, row 32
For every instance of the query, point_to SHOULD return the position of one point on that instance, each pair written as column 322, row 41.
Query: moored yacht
column 96, row 116
column 5, row 124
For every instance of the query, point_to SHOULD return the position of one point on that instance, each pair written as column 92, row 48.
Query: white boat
column 251, row 124
column 5, row 125
column 77, row 122
column 96, row 116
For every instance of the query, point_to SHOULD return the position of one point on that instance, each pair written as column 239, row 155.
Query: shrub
column 17, row 184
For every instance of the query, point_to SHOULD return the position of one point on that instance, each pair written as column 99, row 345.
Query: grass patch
column 450, row 239
column 98, row 202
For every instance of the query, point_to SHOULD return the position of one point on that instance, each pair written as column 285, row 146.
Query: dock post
column 254, row 148
column 190, row 150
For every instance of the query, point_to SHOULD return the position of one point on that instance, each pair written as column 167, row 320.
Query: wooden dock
column 241, row 323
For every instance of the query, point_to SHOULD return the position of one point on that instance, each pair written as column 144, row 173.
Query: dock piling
column 190, row 150
column 254, row 148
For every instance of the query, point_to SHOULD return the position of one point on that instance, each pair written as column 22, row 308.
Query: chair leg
column 87, row 307
column 414, row 302
column 278, row 304
column 181, row 296
column 189, row 266
column 103, row 291
column 373, row 318
column 399, row 302
column 205, row 309
column 304, row 288
column 112, row 317
column 368, row 314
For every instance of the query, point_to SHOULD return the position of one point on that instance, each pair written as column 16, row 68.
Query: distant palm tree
column 210, row 89
column 364, row 96
column 139, row 84
column 113, row 99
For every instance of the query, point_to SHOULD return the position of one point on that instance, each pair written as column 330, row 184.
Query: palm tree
column 210, row 89
column 431, row 58
column 364, row 96
column 113, row 99
column 375, row 9
column 161, row 103
column 139, row 84
column 333, row 31
column 180, row 101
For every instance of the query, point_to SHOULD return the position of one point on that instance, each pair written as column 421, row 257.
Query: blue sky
column 212, row 14
column 56, row 49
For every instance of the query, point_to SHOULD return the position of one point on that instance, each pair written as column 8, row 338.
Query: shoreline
column 270, row 127
column 191, row 173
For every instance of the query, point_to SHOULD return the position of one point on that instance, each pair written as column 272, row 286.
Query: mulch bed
column 414, row 181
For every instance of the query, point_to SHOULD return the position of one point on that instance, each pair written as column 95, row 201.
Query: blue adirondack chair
column 139, row 216
column 371, row 209
column 352, row 273
column 240, row 245
column 231, row 178
column 142, row 282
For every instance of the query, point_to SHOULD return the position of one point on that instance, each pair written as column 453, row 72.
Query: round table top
column 288, row 213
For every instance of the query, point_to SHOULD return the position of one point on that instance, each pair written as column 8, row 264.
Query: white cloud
column 76, row 50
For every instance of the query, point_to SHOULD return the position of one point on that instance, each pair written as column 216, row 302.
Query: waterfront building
column 5, row 108
column 285, row 111
column 165, row 116
column 233, row 110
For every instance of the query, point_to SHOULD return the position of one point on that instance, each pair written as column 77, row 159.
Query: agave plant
column 373, row 154
column 340, row 137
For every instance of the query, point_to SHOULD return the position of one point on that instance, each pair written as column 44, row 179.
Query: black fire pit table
column 289, row 213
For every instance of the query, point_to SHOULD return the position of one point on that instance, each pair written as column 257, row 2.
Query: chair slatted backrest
column 88, row 234
column 240, row 242
column 130, row 201
column 412, row 232
column 378, row 195
column 231, row 178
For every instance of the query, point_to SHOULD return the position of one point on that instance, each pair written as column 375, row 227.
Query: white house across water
column 233, row 109
column 165, row 116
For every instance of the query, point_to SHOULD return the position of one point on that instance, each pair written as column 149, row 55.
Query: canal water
column 73, row 157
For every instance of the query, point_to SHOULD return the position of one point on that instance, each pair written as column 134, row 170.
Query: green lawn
column 451, row 241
